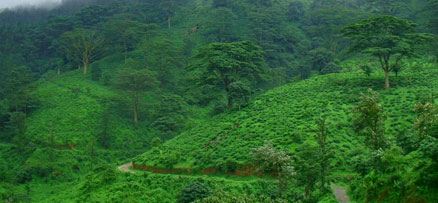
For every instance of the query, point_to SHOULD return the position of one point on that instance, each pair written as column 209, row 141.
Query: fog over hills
column 24, row 3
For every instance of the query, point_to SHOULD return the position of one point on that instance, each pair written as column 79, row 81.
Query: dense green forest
column 219, row 101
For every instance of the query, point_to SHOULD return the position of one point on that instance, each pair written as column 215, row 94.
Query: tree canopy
column 388, row 38
column 221, row 64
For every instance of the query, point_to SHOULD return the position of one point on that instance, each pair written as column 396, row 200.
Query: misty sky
column 15, row 3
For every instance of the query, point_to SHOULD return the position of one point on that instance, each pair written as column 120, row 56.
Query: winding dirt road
column 339, row 191
column 126, row 168
column 340, row 194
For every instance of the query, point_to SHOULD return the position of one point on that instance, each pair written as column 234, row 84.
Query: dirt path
column 126, row 168
column 340, row 194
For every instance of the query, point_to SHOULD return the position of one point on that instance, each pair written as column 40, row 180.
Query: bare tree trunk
column 227, row 89
column 135, row 107
column 135, row 115
column 230, row 102
column 307, row 192
column 280, row 184
column 169, row 19
column 323, row 177
column 126, row 49
column 387, row 85
column 86, row 61
column 59, row 71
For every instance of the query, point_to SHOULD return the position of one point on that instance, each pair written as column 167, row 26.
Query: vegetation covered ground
column 219, row 101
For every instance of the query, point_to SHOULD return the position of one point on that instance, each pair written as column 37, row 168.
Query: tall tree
column 320, row 58
column 369, row 120
column 19, row 88
column 279, row 39
column 125, row 33
column 388, row 38
column 324, row 152
column 388, row 7
column 169, row 8
column 307, row 169
column 431, row 11
column 17, row 127
column 329, row 17
column 164, row 57
column 136, row 83
column 224, row 63
column 427, row 120
column 81, row 45
column 267, row 157
column 220, row 25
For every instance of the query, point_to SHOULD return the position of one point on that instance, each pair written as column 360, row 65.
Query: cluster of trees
column 388, row 38
column 389, row 164
column 308, row 167
column 288, row 32
column 382, row 165
column 215, row 54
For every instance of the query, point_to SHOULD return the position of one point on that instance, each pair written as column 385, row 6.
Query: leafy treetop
column 386, row 37
column 225, row 63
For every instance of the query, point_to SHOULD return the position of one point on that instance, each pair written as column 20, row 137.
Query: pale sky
column 15, row 3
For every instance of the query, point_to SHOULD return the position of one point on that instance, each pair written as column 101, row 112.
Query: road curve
column 340, row 194
column 126, row 168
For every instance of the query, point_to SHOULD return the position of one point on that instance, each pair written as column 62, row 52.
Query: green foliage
column 96, row 73
column 320, row 59
column 330, row 68
column 366, row 69
column 225, row 63
column 18, row 89
column 172, row 115
column 163, row 56
column 269, row 159
column 386, row 37
column 240, row 93
column 125, row 34
column 308, row 169
column 220, row 25
column 17, row 127
column 69, row 130
column 431, row 9
column 81, row 46
column 195, row 191
column 325, row 152
column 135, row 82
column 369, row 120
column 228, row 198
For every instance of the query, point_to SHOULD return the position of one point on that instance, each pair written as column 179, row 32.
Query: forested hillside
column 219, row 101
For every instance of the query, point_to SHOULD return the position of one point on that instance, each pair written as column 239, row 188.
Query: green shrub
column 96, row 72
column 197, row 190
column 24, row 175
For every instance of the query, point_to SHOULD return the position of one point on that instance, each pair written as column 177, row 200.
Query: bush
column 96, row 73
column 218, row 108
column 366, row 69
column 330, row 68
column 227, row 166
column 24, row 176
column 196, row 190
column 166, row 123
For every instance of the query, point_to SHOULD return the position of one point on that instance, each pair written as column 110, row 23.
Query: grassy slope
column 114, row 186
column 74, row 120
column 286, row 115
column 73, row 117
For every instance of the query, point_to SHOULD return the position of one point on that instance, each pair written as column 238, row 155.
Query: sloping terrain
column 72, row 109
column 286, row 117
